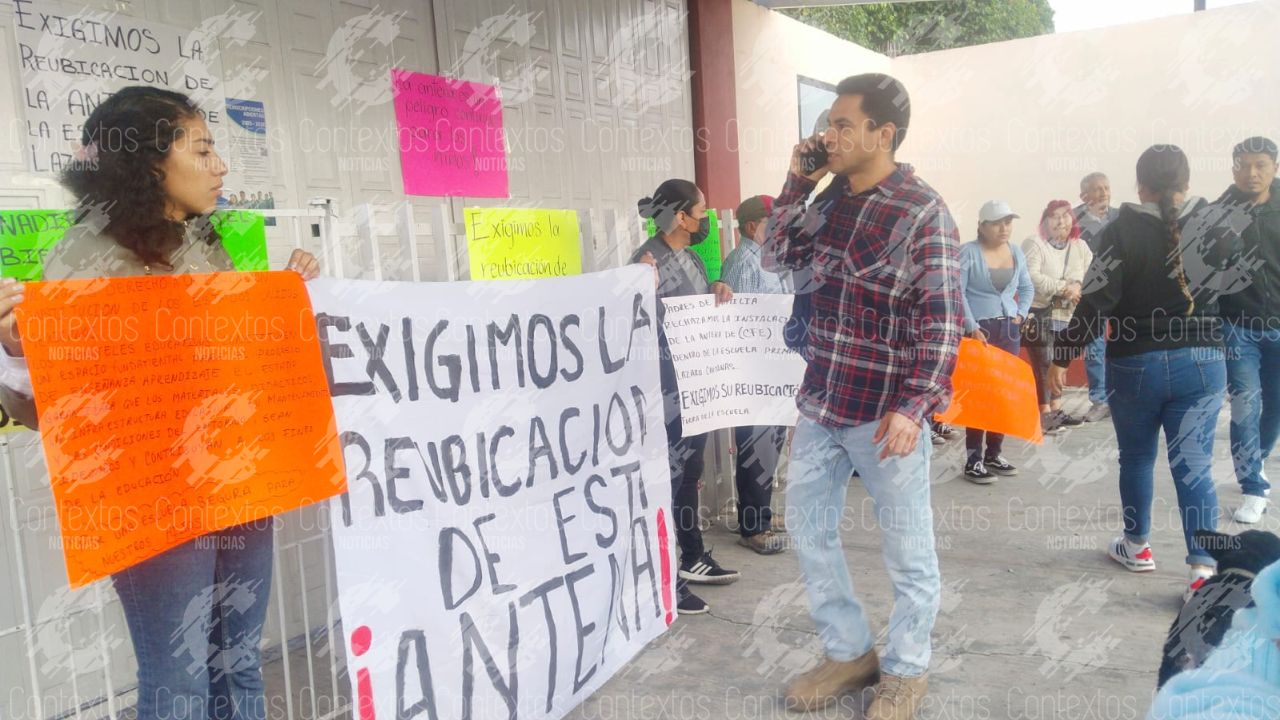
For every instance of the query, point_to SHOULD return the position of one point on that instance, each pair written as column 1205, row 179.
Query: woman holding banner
column 997, row 293
column 679, row 213
column 1158, row 276
column 146, row 179
column 1057, row 259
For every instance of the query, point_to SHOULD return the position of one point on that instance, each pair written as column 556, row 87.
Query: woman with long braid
column 1156, row 277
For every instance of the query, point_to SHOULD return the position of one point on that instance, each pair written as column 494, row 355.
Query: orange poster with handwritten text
column 174, row 406
column 993, row 390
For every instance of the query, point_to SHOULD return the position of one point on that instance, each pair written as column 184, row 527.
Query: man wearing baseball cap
column 759, row 447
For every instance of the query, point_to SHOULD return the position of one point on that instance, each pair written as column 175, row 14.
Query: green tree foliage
column 907, row 28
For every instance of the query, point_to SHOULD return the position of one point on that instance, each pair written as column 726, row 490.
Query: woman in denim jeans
column 147, row 178
column 997, row 292
column 1157, row 276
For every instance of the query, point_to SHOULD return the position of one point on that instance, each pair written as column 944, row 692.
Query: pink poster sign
column 450, row 136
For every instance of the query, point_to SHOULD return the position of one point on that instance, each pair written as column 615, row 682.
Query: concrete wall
column 771, row 50
column 1024, row 120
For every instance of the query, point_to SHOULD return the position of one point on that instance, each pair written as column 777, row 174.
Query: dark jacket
column 1257, row 299
column 673, row 281
column 1131, row 284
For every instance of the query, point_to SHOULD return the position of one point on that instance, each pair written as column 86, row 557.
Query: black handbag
column 1037, row 329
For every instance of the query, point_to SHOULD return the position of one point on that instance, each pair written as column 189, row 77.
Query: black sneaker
column 945, row 430
column 706, row 571
column 690, row 604
column 976, row 472
column 936, row 438
column 999, row 465
column 1068, row 420
column 1050, row 423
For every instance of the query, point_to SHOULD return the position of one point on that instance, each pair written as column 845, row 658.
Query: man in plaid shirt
column 882, row 250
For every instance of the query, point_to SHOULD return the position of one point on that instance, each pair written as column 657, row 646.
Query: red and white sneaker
column 1134, row 558
column 1199, row 574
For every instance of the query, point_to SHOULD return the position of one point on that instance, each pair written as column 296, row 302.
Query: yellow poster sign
column 522, row 243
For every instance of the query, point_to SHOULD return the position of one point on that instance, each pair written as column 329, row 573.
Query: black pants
column 759, row 448
column 685, row 456
column 1004, row 334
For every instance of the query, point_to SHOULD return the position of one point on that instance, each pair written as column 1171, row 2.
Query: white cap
column 996, row 210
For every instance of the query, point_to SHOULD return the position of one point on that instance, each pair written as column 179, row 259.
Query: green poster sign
column 244, row 237
column 27, row 235
column 708, row 250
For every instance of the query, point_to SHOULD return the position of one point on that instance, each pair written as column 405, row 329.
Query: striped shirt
column 887, row 311
column 743, row 271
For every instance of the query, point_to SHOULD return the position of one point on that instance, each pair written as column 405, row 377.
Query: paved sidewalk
column 1036, row 622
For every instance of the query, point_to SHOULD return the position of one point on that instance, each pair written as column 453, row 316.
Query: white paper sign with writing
column 71, row 58
column 731, row 363
column 506, row 544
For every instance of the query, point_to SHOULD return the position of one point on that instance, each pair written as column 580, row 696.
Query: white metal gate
column 67, row 653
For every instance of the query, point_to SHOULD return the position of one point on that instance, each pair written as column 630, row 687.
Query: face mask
column 704, row 229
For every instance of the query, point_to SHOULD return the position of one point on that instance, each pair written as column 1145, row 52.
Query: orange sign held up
column 174, row 406
column 994, row 391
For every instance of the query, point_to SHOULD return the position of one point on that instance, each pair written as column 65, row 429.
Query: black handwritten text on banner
column 506, row 544
column 731, row 363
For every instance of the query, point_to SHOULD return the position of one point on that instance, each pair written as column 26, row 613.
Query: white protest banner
column 72, row 57
column 506, row 544
column 732, row 365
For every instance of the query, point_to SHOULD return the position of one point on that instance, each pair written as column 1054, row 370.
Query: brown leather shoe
column 897, row 697
column 766, row 543
column 824, row 684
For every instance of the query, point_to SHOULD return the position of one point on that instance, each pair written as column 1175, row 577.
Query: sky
column 1072, row 15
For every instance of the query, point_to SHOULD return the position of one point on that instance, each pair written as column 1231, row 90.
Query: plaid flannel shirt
column 886, row 306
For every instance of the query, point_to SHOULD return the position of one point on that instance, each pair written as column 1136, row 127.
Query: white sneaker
column 1251, row 510
column 1199, row 574
column 1134, row 558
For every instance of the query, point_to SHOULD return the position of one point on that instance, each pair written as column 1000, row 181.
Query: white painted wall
column 1024, row 120
column 770, row 51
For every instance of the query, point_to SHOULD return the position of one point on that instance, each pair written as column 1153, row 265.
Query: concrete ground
column 1036, row 622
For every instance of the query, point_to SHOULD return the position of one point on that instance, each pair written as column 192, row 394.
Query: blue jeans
column 1181, row 391
column 822, row 459
column 195, row 614
column 1095, row 368
column 1253, row 382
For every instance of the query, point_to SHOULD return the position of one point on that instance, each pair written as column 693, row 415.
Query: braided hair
column 1164, row 170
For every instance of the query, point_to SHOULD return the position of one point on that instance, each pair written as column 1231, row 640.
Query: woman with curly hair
column 146, row 179
column 1057, row 259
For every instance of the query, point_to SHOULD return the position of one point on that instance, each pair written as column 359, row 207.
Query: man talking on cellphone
column 882, row 250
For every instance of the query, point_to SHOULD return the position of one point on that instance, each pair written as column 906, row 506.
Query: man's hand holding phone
column 809, row 158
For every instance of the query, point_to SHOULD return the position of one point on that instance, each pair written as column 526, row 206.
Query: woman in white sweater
column 1057, row 260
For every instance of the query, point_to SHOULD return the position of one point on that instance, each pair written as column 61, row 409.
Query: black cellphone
column 812, row 160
